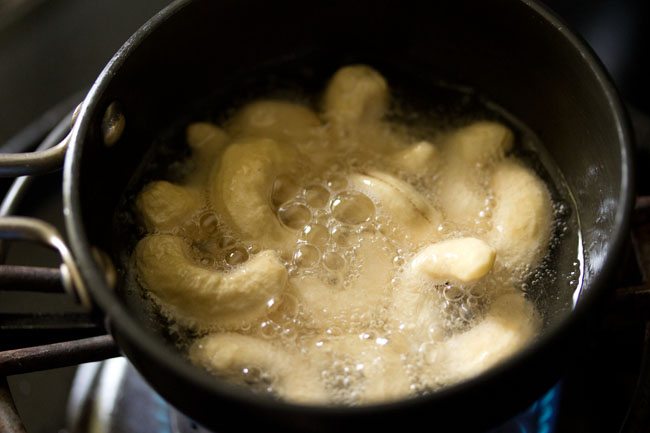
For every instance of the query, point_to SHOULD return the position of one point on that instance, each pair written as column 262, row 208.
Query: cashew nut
column 241, row 190
column 356, row 94
column 510, row 323
column 468, row 154
column 290, row 375
column 206, row 298
column 403, row 206
column 417, row 159
column 281, row 121
column 480, row 142
column 522, row 216
column 163, row 206
column 463, row 259
column 374, row 366
column 365, row 293
column 206, row 141
column 416, row 307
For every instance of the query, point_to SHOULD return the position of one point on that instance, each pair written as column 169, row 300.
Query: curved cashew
column 467, row 152
column 228, row 353
column 405, row 208
column 463, row 259
column 510, row 323
column 356, row 94
column 206, row 141
column 460, row 194
column 282, row 121
column 365, row 293
column 481, row 142
column 206, row 298
column 522, row 217
column 374, row 364
column 416, row 307
column 163, row 206
column 416, row 159
column 241, row 189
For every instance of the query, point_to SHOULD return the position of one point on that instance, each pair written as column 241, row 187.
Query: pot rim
column 125, row 324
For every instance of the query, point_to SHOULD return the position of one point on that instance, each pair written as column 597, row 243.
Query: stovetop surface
column 51, row 51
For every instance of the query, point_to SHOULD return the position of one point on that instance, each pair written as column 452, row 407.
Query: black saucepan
column 515, row 52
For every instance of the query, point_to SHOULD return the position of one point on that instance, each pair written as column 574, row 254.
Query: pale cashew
column 522, row 217
column 416, row 159
column 462, row 259
column 416, row 306
column 460, row 194
column 356, row 94
column 163, row 206
column 468, row 153
column 509, row 324
column 291, row 377
column 281, row 121
column 365, row 294
column 206, row 298
column 406, row 209
column 416, row 309
column 480, row 142
column 241, row 190
column 374, row 366
column 206, row 141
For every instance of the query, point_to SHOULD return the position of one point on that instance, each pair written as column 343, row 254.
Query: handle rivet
column 113, row 124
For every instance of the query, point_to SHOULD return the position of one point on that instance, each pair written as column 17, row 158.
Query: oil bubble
column 337, row 182
column 316, row 234
column 236, row 256
column 208, row 222
column 333, row 261
column 306, row 256
column 352, row 207
column 316, row 196
column 294, row 215
column 284, row 189
column 344, row 236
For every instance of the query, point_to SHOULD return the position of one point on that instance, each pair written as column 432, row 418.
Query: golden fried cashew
column 401, row 204
column 416, row 159
column 462, row 259
column 163, row 206
column 282, row 121
column 372, row 365
column 291, row 377
column 206, row 298
column 522, row 217
column 241, row 190
column 206, row 141
column 509, row 324
column 362, row 297
column 356, row 94
column 468, row 154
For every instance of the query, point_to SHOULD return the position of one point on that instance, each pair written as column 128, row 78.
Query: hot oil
column 334, row 223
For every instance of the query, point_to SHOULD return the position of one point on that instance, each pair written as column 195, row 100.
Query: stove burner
column 111, row 397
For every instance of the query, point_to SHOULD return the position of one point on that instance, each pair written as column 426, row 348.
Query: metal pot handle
column 43, row 327
column 37, row 162
column 31, row 229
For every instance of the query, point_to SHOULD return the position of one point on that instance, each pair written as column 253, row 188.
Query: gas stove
column 50, row 52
